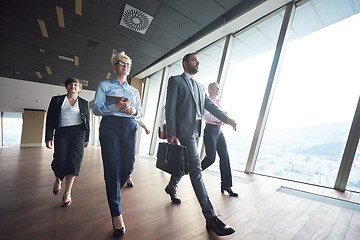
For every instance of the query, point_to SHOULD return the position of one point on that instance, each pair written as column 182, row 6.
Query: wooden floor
column 29, row 210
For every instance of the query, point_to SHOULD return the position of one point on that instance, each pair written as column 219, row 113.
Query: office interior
column 288, row 74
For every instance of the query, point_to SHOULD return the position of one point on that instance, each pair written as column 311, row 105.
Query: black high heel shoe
column 119, row 231
column 229, row 191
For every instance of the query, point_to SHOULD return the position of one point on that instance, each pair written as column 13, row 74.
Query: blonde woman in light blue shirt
column 118, row 103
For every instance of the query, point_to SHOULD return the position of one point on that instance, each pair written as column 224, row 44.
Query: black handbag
column 172, row 158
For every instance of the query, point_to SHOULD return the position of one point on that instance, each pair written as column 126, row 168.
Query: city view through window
column 312, row 109
column 313, row 106
column 12, row 129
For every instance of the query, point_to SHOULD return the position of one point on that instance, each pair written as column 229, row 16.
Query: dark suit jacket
column 180, row 109
column 54, row 112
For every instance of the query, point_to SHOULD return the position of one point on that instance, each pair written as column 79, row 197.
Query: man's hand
column 86, row 144
column 231, row 122
column 172, row 139
column 122, row 103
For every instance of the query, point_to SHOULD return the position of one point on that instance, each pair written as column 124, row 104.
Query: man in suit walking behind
column 185, row 104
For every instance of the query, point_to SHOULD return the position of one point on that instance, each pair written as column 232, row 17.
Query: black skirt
column 68, row 150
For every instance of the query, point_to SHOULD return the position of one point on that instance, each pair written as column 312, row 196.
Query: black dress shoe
column 228, row 189
column 218, row 226
column 118, row 231
column 174, row 198
column 129, row 184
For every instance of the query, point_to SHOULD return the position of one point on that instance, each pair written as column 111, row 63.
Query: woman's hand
column 162, row 135
column 220, row 123
column 122, row 103
column 231, row 122
column 147, row 131
column 130, row 111
column 49, row 144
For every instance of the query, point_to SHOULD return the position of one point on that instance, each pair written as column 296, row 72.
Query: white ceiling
column 17, row 95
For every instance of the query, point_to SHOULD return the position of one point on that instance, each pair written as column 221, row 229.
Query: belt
column 197, row 121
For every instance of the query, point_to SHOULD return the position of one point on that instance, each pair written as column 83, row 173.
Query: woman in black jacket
column 67, row 122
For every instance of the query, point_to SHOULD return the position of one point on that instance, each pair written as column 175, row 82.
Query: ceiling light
column 48, row 70
column 76, row 60
column 42, row 50
column 60, row 16
column 78, row 7
column 38, row 74
column 135, row 19
column 42, row 28
column 17, row 110
column 108, row 75
column 65, row 58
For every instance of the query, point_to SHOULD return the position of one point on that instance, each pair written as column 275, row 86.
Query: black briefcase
column 172, row 159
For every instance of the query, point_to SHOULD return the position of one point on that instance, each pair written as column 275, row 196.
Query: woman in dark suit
column 67, row 122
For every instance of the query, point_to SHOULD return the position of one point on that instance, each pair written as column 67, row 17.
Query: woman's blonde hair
column 117, row 57
column 211, row 85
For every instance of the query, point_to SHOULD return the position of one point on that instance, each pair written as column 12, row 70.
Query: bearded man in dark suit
column 185, row 104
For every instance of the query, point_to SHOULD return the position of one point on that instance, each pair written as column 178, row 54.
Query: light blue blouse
column 114, row 88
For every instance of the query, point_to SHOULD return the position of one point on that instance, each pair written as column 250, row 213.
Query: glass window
column 209, row 59
column 315, row 97
column 12, row 128
column 176, row 68
column 245, row 83
column 354, row 178
column 150, row 111
column 209, row 63
column 1, row 130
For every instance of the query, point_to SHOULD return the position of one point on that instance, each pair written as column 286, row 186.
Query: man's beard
column 192, row 70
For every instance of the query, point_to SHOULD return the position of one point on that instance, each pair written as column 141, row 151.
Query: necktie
column 196, row 97
column 195, row 90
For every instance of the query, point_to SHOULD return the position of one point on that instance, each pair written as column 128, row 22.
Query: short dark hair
column 72, row 80
column 187, row 56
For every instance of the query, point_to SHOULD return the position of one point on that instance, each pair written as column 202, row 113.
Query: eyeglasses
column 123, row 64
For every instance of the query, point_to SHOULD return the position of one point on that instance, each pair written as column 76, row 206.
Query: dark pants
column 214, row 141
column 118, row 145
column 68, row 150
column 195, row 174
